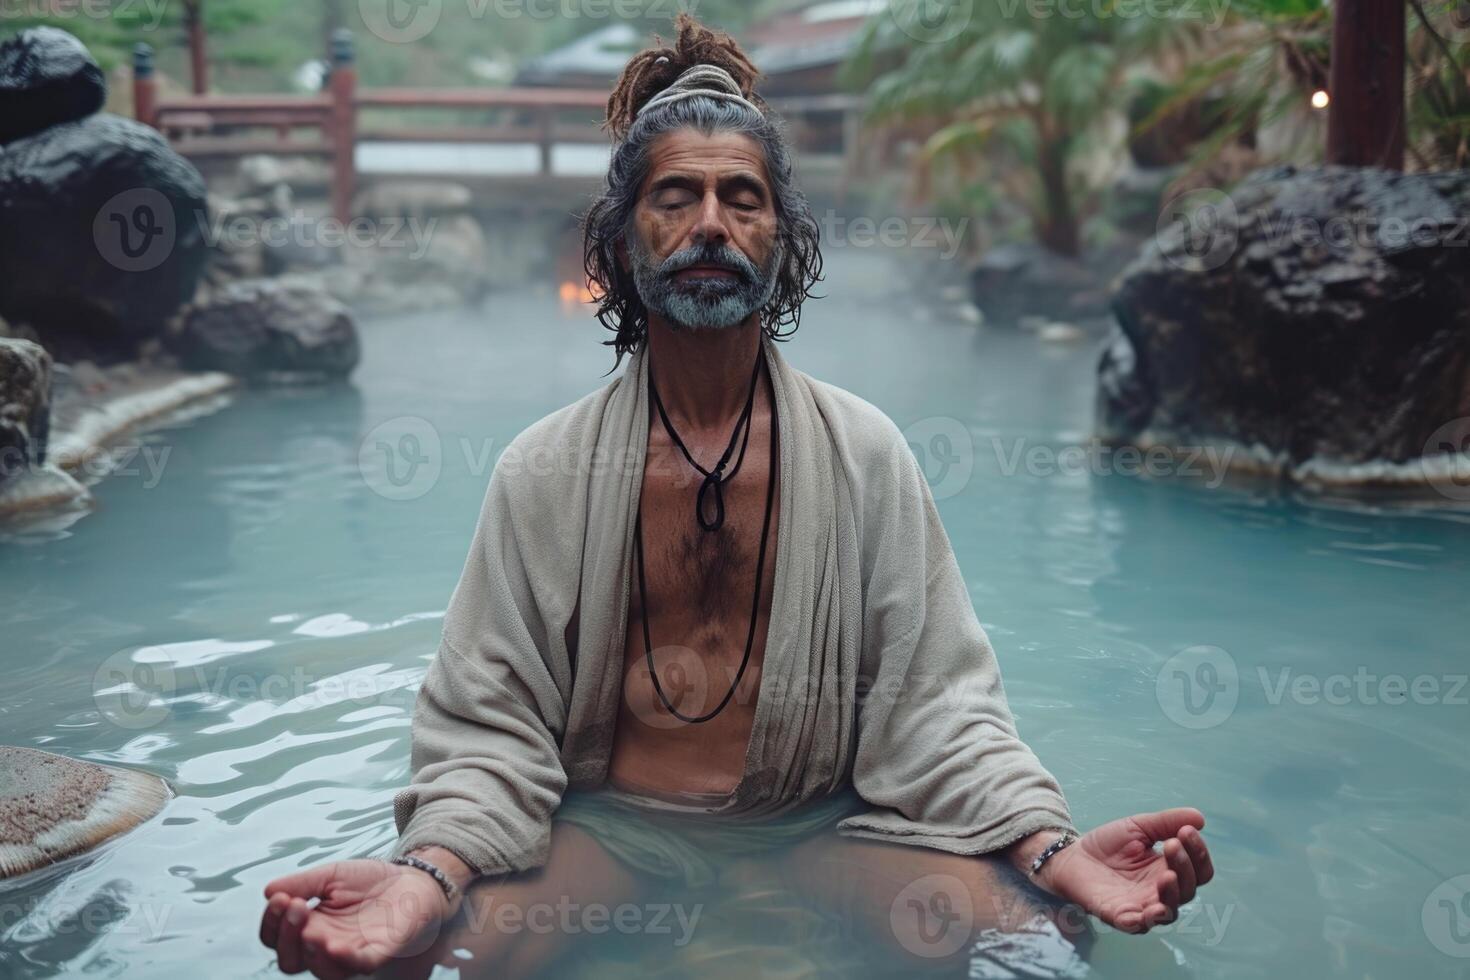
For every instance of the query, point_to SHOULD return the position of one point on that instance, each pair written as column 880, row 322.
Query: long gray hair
column 610, row 218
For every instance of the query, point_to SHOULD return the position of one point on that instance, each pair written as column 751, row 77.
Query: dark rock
column 46, row 77
column 25, row 405
column 1320, row 318
column 102, row 235
column 270, row 327
column 297, row 245
column 237, row 250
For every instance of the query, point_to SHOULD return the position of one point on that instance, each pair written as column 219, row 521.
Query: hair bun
column 656, row 69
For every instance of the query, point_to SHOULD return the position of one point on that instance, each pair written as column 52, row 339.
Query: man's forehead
column 688, row 151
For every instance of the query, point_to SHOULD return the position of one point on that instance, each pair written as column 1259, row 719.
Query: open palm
column 370, row 913
column 1116, row 874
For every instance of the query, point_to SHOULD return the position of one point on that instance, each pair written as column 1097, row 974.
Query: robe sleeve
column 938, row 755
column 486, row 769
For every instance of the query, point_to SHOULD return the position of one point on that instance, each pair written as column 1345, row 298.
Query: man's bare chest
column 701, row 584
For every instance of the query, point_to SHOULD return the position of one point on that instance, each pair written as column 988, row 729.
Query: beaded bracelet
column 1051, row 849
column 433, row 870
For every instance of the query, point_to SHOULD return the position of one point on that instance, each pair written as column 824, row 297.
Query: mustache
column 720, row 256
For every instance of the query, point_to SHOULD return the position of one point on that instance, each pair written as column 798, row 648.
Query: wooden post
column 145, row 86
column 1365, row 117
column 343, row 137
column 545, row 118
column 198, row 53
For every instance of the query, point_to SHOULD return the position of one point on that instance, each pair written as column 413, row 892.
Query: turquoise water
column 287, row 592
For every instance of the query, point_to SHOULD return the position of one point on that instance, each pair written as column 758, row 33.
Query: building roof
column 806, row 36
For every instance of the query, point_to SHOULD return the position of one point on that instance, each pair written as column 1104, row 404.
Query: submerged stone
column 268, row 328
column 53, row 807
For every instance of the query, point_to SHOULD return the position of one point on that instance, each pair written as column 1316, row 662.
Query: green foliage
column 1277, row 54
column 1034, row 80
column 257, row 45
column 1439, row 93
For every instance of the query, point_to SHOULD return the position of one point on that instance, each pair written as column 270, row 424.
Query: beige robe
column 876, row 670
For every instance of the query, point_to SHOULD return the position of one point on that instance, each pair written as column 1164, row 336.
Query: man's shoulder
column 569, row 426
column 859, row 428
column 556, row 443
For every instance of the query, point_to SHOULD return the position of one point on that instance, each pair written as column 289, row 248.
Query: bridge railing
column 202, row 126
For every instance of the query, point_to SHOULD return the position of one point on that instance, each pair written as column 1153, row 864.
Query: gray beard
column 703, row 304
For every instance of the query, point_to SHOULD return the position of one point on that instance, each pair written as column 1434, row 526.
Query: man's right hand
column 370, row 914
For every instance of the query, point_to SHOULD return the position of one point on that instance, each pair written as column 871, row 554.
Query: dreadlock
column 645, row 75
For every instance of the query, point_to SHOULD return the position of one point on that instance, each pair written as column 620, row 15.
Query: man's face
column 703, row 249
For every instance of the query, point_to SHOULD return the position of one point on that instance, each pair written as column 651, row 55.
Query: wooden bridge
column 542, row 140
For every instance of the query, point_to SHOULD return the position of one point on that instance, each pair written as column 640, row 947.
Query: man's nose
column 709, row 222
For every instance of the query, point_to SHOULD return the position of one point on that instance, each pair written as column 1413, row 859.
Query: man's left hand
column 1115, row 873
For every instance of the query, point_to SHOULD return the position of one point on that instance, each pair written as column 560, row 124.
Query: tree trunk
column 1365, row 119
column 1058, row 231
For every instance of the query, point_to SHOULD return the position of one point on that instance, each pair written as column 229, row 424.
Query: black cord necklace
column 760, row 562
column 715, row 479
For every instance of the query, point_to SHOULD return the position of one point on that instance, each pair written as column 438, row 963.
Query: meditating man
column 710, row 614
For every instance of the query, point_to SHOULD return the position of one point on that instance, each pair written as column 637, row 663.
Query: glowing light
column 572, row 295
column 1320, row 98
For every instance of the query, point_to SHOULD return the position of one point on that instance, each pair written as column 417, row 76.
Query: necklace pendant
column 712, row 482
